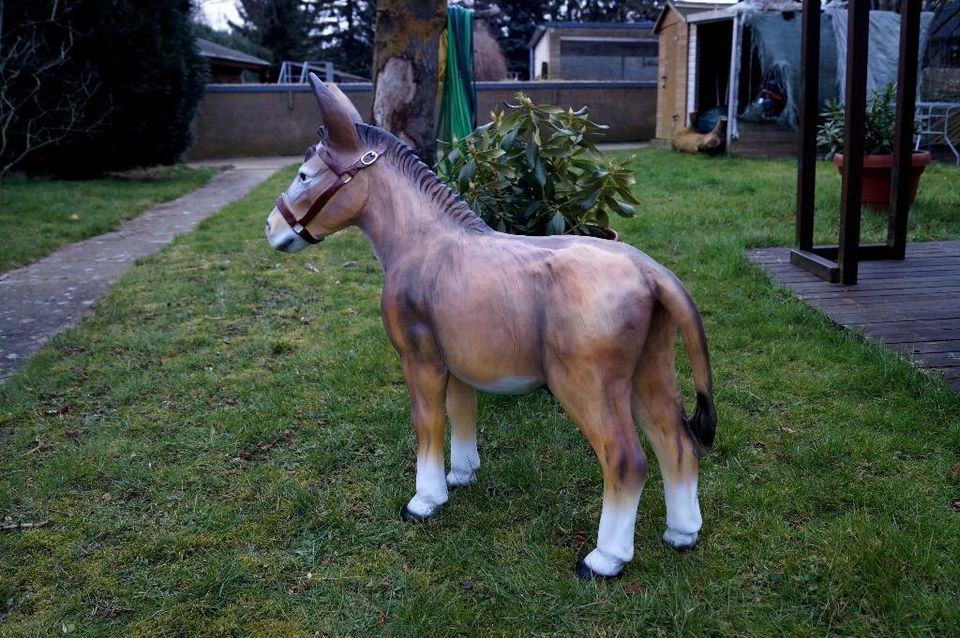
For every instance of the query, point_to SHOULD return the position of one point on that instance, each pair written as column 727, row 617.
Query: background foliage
column 140, row 76
column 340, row 31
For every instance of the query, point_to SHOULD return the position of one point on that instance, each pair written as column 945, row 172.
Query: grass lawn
column 223, row 448
column 39, row 215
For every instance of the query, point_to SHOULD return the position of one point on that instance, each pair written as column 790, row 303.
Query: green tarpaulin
column 458, row 104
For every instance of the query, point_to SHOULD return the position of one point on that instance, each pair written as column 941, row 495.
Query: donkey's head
column 330, row 188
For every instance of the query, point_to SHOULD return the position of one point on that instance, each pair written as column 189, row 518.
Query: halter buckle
column 369, row 158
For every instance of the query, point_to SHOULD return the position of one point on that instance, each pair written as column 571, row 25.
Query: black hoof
column 583, row 572
column 682, row 547
column 459, row 486
column 407, row 515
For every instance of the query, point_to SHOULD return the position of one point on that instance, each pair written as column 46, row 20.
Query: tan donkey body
column 469, row 308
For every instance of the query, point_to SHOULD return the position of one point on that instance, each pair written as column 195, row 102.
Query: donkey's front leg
column 426, row 382
column 462, row 410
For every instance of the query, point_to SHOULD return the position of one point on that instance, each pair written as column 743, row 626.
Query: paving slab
column 42, row 299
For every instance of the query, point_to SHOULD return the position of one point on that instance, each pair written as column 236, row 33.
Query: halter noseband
column 344, row 175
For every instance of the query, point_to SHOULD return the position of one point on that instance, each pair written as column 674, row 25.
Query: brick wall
column 267, row 119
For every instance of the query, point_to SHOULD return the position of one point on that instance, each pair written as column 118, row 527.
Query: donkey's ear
column 338, row 116
column 345, row 103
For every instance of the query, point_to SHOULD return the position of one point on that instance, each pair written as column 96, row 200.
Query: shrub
column 878, row 130
column 534, row 170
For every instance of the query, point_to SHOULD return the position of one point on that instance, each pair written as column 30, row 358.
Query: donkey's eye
column 303, row 176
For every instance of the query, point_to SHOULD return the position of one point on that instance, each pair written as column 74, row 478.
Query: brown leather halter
column 344, row 175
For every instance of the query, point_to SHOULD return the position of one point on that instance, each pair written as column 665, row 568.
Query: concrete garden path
column 40, row 300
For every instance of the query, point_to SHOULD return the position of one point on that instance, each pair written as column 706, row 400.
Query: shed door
column 671, row 78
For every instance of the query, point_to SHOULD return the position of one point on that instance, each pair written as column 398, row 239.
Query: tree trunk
column 405, row 68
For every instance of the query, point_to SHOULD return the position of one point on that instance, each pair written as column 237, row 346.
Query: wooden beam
column 903, row 129
column 865, row 252
column 858, row 32
column 809, row 106
column 815, row 264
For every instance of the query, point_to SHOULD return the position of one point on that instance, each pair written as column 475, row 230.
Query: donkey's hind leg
column 462, row 411
column 658, row 410
column 601, row 409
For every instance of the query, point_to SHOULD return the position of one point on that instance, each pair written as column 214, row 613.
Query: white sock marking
column 464, row 461
column 614, row 538
column 431, row 487
column 683, row 512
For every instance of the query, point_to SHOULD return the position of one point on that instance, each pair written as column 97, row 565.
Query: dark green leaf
column 468, row 170
column 540, row 174
column 531, row 154
column 509, row 138
column 590, row 201
column 626, row 210
column 557, row 225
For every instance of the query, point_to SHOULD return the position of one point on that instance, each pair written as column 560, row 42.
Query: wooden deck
column 911, row 306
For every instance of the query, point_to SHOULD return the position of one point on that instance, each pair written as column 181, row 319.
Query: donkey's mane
column 406, row 162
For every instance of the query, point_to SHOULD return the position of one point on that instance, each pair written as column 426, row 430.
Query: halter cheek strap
column 344, row 175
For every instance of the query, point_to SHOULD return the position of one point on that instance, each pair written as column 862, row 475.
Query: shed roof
column 687, row 7
column 712, row 10
column 214, row 51
column 541, row 29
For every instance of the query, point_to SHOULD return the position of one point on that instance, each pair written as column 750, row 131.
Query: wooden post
column 903, row 131
column 809, row 106
column 858, row 31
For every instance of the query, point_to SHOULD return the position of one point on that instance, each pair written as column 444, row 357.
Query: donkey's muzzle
column 281, row 236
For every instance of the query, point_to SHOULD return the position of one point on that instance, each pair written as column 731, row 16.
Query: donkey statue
column 592, row 319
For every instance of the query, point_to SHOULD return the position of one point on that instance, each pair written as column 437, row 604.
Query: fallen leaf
column 635, row 588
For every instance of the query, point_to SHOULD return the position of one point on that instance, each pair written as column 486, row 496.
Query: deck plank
column 911, row 306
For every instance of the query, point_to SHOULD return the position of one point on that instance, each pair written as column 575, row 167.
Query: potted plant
column 534, row 170
column 878, row 148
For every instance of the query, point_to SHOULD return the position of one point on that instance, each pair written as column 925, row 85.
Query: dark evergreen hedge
column 141, row 57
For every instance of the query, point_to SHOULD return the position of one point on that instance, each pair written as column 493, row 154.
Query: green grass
column 38, row 216
column 223, row 448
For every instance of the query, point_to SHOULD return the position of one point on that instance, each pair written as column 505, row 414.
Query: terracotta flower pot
column 877, row 170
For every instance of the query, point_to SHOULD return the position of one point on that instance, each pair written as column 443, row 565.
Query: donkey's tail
column 702, row 424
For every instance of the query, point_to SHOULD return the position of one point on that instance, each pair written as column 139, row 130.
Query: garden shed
column 593, row 51
column 675, row 38
column 742, row 60
column 229, row 66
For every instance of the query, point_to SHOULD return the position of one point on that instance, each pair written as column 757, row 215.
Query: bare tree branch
column 32, row 54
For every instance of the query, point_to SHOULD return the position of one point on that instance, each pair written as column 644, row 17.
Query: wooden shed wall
column 672, row 71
